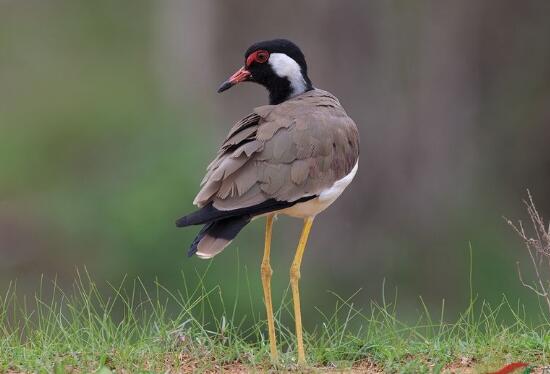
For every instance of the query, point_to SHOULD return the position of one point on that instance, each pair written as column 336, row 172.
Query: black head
column 278, row 65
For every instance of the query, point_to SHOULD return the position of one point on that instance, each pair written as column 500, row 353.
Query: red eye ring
column 260, row 56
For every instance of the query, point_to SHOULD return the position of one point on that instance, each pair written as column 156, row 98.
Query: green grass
column 147, row 328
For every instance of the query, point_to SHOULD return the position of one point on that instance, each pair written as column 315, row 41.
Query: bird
column 293, row 157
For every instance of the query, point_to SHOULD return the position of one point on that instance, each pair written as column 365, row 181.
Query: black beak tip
column 225, row 86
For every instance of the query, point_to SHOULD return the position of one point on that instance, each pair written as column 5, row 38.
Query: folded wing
column 283, row 152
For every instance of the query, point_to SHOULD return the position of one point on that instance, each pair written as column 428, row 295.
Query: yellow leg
column 266, row 272
column 294, row 278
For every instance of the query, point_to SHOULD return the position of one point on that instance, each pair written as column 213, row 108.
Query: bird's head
column 278, row 65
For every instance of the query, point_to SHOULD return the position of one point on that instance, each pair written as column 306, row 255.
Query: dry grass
column 537, row 243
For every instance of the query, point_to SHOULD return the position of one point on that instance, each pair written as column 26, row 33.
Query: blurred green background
column 109, row 116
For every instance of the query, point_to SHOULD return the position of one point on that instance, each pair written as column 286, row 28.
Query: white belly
column 315, row 206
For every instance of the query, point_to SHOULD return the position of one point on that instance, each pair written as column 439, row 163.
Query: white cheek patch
column 286, row 67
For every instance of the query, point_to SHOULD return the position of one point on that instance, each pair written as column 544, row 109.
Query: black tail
column 222, row 226
column 209, row 214
column 217, row 235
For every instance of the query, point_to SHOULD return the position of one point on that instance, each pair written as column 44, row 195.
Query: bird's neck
column 282, row 88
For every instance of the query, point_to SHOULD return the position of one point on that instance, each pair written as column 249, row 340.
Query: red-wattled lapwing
column 294, row 157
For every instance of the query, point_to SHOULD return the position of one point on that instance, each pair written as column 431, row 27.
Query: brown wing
column 283, row 152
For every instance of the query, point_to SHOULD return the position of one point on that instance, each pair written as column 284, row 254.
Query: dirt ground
column 189, row 365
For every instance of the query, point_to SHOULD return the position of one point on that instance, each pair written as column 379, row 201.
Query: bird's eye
column 261, row 57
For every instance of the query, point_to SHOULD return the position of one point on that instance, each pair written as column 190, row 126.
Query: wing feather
column 283, row 152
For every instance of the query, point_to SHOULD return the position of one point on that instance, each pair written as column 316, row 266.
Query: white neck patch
column 286, row 67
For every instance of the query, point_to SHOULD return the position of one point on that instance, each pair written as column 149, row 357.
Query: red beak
column 240, row 76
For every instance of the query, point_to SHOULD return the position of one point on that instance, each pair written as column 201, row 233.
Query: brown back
column 284, row 152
